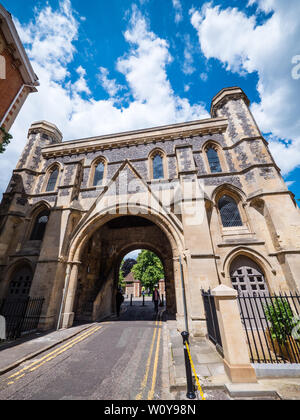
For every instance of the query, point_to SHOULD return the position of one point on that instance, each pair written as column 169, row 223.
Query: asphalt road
column 121, row 359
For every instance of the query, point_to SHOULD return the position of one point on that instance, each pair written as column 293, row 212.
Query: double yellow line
column 158, row 327
column 48, row 357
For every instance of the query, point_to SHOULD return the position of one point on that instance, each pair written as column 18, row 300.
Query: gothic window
column 157, row 165
column 39, row 228
column 229, row 212
column 52, row 181
column 99, row 174
column 21, row 283
column 213, row 159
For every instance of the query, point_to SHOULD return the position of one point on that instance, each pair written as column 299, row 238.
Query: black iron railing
column 212, row 323
column 21, row 315
column 272, row 326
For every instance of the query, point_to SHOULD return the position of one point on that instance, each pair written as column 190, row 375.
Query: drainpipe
column 183, row 297
column 14, row 101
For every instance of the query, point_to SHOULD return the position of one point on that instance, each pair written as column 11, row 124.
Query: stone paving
column 208, row 363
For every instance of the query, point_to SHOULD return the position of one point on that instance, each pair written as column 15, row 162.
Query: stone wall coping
column 224, row 291
column 187, row 129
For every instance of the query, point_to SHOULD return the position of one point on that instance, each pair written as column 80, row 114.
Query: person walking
column 156, row 299
column 119, row 301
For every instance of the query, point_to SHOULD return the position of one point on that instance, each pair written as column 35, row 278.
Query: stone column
column 68, row 315
column 236, row 357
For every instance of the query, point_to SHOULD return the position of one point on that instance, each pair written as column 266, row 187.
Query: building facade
column 133, row 287
column 17, row 78
column 206, row 196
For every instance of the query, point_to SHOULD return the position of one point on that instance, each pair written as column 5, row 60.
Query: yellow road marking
column 151, row 392
column 63, row 350
column 55, row 353
column 44, row 357
column 144, row 382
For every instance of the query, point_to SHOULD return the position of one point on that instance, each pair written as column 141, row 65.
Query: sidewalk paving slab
column 212, row 376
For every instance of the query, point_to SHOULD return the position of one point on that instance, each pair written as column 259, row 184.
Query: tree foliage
column 279, row 313
column 148, row 269
column 4, row 139
column 121, row 276
column 127, row 265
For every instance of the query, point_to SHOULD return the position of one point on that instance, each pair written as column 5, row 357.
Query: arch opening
column 102, row 256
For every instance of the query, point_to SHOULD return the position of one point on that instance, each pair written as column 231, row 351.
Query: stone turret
column 41, row 134
column 233, row 104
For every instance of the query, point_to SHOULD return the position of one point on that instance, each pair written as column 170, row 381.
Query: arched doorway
column 247, row 276
column 101, row 257
column 20, row 283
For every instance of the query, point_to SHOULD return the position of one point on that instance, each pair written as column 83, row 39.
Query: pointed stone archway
column 98, row 272
column 95, row 256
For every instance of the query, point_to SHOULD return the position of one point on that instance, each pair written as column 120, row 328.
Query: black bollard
column 131, row 296
column 190, row 387
column 143, row 300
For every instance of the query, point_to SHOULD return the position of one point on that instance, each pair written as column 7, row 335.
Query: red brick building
column 17, row 78
column 133, row 287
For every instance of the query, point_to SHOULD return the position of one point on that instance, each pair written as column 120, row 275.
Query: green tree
column 6, row 137
column 121, row 276
column 148, row 269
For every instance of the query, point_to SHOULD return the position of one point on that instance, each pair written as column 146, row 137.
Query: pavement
column 214, row 382
column 207, row 361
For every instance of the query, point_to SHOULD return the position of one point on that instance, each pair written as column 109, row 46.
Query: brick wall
column 11, row 85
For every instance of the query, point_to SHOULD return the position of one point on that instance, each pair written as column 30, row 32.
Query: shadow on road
column 140, row 312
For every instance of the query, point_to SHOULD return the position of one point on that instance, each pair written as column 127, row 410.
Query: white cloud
column 50, row 43
column 244, row 46
column 80, row 86
column 204, row 77
column 290, row 183
column 188, row 67
column 110, row 85
column 178, row 10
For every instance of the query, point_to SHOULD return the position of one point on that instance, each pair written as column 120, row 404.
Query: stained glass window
column 158, row 167
column 213, row 160
column 52, row 180
column 229, row 211
column 99, row 174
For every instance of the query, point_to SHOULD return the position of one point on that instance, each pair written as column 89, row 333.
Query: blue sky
column 121, row 65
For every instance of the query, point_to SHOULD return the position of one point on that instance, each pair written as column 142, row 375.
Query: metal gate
column 21, row 315
column 212, row 320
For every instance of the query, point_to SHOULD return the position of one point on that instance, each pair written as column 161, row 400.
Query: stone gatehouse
column 74, row 209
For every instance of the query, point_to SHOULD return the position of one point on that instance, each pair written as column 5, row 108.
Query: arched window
column 229, row 212
column 213, row 159
column 52, row 181
column 158, row 166
column 99, row 174
column 39, row 228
